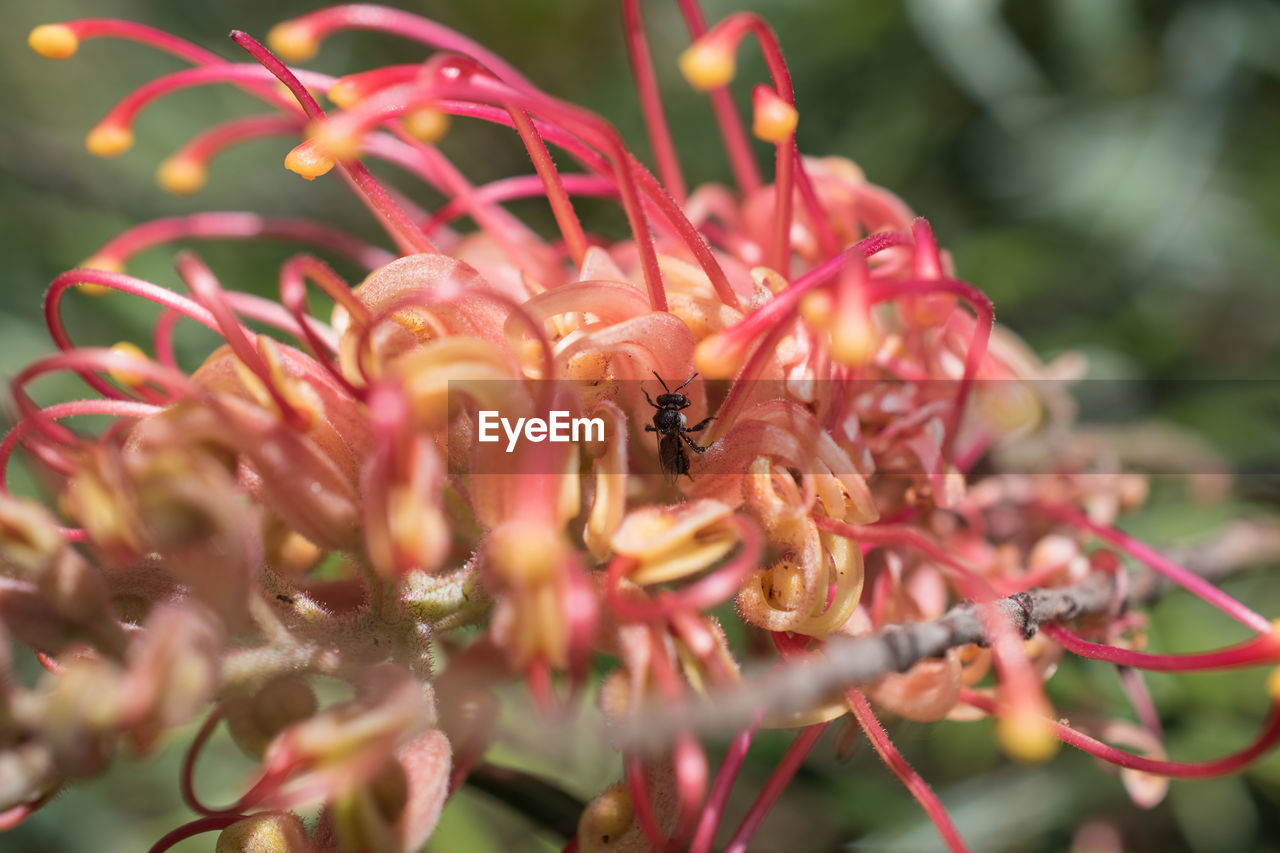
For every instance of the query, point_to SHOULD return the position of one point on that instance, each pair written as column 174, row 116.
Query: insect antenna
column 664, row 384
column 686, row 382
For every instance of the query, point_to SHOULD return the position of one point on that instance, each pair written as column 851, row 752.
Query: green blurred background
column 1104, row 169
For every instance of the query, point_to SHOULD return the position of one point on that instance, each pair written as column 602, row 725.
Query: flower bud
column 278, row 832
column 254, row 719
column 347, row 744
column 606, row 819
column 172, row 671
column 29, row 538
column 400, row 805
column 27, row 774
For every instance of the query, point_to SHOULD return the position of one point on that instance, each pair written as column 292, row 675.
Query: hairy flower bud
column 255, row 718
column 278, row 832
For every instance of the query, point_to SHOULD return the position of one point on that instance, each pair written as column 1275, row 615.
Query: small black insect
column 673, row 435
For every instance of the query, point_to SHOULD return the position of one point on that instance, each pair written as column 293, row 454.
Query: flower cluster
column 312, row 507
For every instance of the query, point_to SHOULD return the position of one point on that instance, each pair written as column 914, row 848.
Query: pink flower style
column 313, row 503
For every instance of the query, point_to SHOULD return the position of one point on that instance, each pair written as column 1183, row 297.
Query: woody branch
column 864, row 660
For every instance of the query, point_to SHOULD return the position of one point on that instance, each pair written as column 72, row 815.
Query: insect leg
column 650, row 399
column 693, row 445
column 701, row 425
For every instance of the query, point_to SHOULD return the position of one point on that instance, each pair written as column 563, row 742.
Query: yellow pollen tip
column 54, row 41
column 292, row 41
column 308, row 160
column 1026, row 736
column 98, row 262
column 344, row 93
column 716, row 356
column 1273, row 684
column 426, row 125
column 525, row 552
column 773, row 119
column 94, row 290
column 853, row 339
column 816, row 308
column 1008, row 405
column 104, row 263
column 123, row 375
column 707, row 66
column 335, row 144
column 109, row 140
column 181, row 175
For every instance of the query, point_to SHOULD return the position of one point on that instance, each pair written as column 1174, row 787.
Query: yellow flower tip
column 345, row 93
column 773, row 119
column 1273, row 684
column 707, row 66
column 426, row 125
column 308, row 160
column 843, row 168
column 109, row 140
column 123, row 375
column 717, row 356
column 816, row 307
column 54, row 41
column 292, row 41
column 1026, row 736
column 853, row 340
column 1008, row 406
column 181, row 175
column 99, row 262
column 94, row 290
column 106, row 263
column 523, row 552
column 331, row 143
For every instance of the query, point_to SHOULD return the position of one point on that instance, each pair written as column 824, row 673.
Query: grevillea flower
column 318, row 504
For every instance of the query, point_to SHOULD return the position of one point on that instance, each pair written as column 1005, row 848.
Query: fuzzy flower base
column 319, row 504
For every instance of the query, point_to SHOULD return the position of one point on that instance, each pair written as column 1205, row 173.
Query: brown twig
column 863, row 660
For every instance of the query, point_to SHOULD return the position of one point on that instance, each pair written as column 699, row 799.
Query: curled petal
column 674, row 542
column 609, row 500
